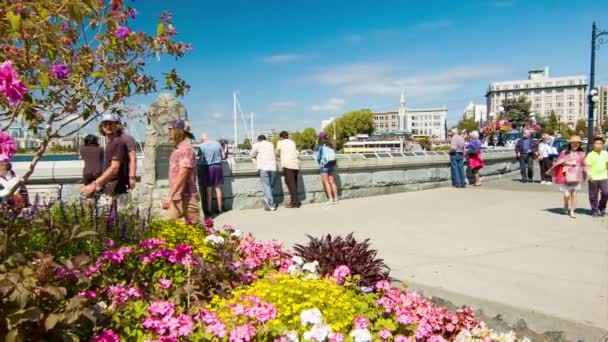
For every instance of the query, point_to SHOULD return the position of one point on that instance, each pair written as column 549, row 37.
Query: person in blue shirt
column 209, row 162
column 526, row 149
column 326, row 157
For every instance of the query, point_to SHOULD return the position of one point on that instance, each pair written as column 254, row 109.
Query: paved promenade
column 504, row 247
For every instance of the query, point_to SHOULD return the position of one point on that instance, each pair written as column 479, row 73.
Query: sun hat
column 575, row 139
column 110, row 117
column 183, row 125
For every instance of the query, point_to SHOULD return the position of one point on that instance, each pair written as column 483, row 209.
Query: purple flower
column 122, row 32
column 60, row 71
column 164, row 283
column 10, row 83
column 131, row 13
column 106, row 336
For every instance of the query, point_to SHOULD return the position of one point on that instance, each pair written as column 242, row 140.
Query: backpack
column 328, row 156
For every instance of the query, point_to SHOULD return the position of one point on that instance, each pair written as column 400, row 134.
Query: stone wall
column 357, row 176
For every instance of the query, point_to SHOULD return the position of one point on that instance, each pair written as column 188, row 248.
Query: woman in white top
column 546, row 155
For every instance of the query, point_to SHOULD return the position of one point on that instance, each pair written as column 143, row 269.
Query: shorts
column 328, row 169
column 187, row 208
column 568, row 188
column 213, row 175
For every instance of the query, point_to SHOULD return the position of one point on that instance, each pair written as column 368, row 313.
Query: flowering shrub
column 290, row 296
column 333, row 252
column 175, row 232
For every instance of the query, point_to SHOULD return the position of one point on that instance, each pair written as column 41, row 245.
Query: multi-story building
column 563, row 95
column 477, row 112
column 418, row 121
column 24, row 137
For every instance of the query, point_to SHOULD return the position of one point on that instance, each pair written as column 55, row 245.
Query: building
column 563, row 95
column 425, row 121
column 602, row 105
column 24, row 137
column 477, row 112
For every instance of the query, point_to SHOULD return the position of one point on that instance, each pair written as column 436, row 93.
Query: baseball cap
column 110, row 117
column 322, row 135
column 183, row 125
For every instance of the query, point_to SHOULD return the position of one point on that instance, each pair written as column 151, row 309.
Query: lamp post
column 596, row 40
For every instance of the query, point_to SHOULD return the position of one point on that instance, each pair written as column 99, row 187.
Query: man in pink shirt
column 183, row 200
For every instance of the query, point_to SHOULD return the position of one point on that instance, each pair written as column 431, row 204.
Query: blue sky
column 296, row 63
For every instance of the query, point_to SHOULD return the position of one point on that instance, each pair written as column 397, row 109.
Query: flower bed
column 193, row 282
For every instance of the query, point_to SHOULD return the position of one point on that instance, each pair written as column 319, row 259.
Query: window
column 559, row 98
column 570, row 104
column 571, row 118
column 537, row 92
column 559, row 91
column 537, row 105
column 537, row 99
column 517, row 86
column 559, row 104
column 570, row 111
column 547, row 112
column 570, row 97
column 527, row 86
column 549, row 105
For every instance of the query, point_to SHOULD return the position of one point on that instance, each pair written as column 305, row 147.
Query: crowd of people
column 569, row 168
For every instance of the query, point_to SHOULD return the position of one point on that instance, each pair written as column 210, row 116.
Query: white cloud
column 281, row 105
column 386, row 79
column 332, row 105
column 282, row 58
column 353, row 38
column 434, row 25
column 217, row 115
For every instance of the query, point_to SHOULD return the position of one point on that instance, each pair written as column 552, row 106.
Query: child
column 92, row 155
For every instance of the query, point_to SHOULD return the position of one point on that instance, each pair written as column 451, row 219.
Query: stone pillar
column 157, row 149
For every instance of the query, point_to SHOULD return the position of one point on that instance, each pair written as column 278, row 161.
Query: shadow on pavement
column 560, row 211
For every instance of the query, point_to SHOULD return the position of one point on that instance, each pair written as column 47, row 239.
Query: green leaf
column 14, row 19
column 27, row 315
column 13, row 336
column 44, row 81
column 160, row 29
column 52, row 320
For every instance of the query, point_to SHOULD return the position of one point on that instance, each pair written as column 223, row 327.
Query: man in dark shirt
column 114, row 181
column 526, row 149
column 132, row 149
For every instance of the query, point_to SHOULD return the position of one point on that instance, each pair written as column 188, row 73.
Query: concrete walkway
column 504, row 247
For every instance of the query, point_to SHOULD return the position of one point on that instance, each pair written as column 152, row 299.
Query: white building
column 420, row 121
column 477, row 112
column 24, row 137
column 602, row 105
column 566, row 95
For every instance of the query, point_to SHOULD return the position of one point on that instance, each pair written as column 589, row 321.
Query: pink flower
column 106, row 336
column 336, row 337
column 151, row 243
column 361, row 322
column 10, row 83
column 383, row 285
column 185, row 325
column 61, row 71
column 218, row 329
column 162, row 308
column 131, row 13
column 401, row 338
column 171, row 30
column 242, row 333
column 385, row 334
column 165, row 283
column 341, row 272
column 88, row 294
column 110, row 242
column 122, row 32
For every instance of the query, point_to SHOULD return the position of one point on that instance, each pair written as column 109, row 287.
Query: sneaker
column 548, row 183
column 596, row 213
column 543, row 182
column 336, row 201
column 330, row 202
column 602, row 212
column 273, row 208
column 266, row 205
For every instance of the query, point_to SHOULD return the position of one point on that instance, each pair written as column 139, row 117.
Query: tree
column 551, row 124
column 517, row 111
column 67, row 62
column 246, row 145
column 581, row 125
column 308, row 139
column 565, row 131
column 469, row 125
column 356, row 122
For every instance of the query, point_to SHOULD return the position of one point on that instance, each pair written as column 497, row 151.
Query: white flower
column 102, row 305
column 311, row 267
column 464, row 336
column 318, row 333
column 361, row 335
column 214, row 239
column 292, row 336
column 293, row 270
column 311, row 276
column 312, row 316
column 236, row 233
column 298, row 260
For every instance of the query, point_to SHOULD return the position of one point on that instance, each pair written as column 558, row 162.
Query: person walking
column 569, row 171
column 263, row 154
column 546, row 156
column 473, row 149
column 287, row 151
column 210, row 154
column 183, row 201
column 326, row 157
column 457, row 146
column 526, row 149
column 114, row 180
column 597, row 161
